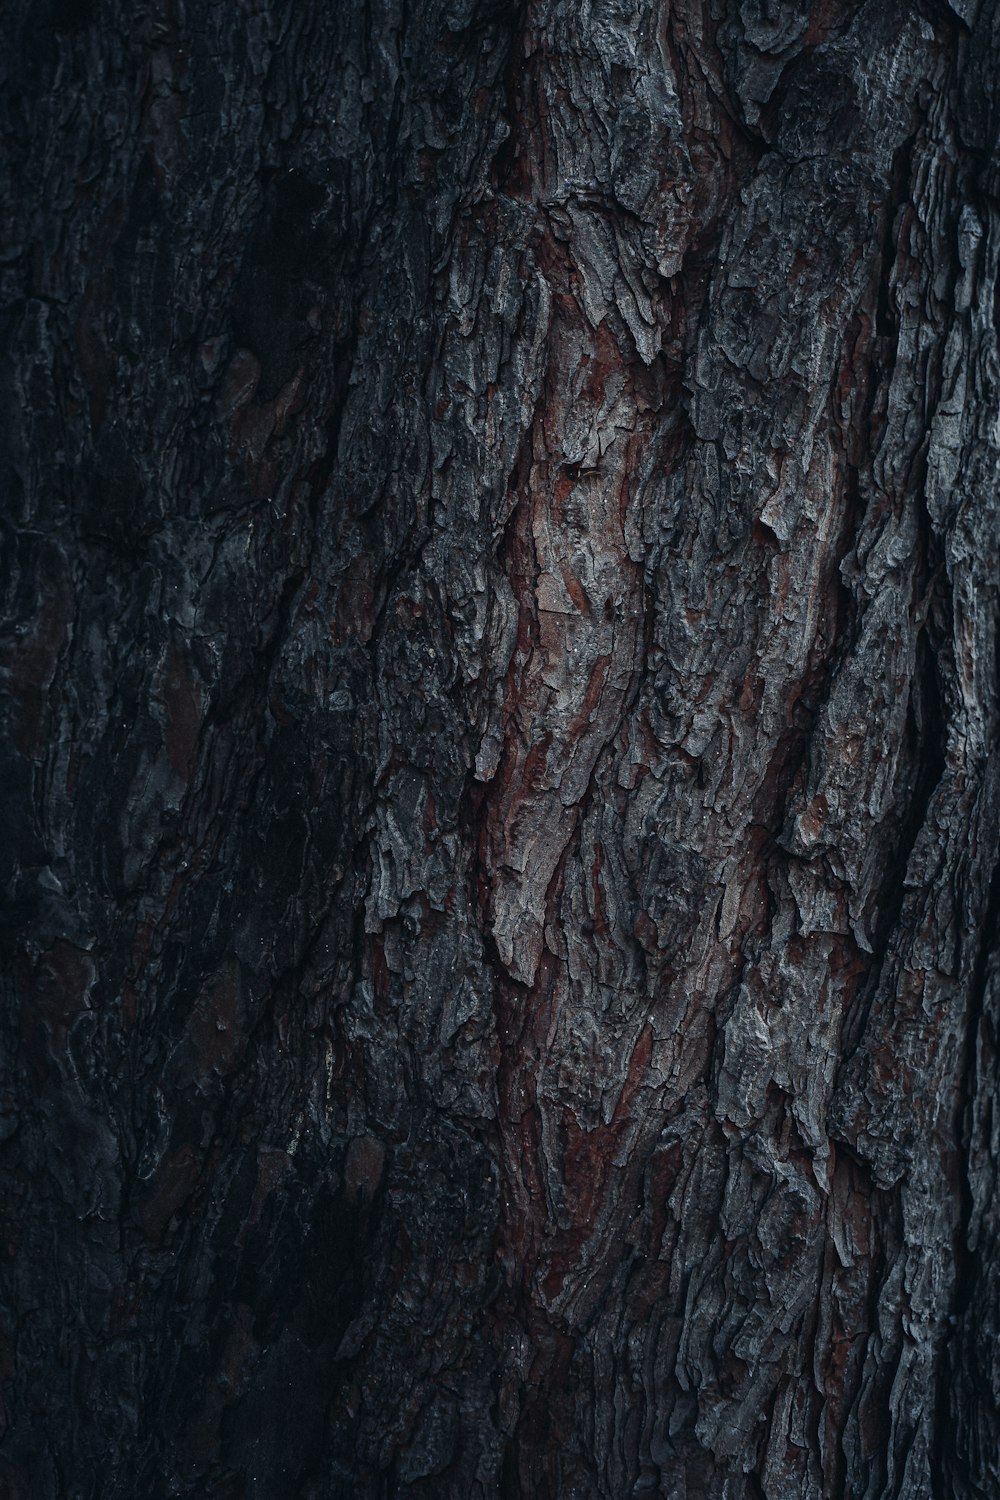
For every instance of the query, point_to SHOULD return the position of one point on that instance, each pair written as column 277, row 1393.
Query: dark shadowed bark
column 500, row 671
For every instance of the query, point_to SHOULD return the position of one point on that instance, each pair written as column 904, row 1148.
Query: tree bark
column 501, row 700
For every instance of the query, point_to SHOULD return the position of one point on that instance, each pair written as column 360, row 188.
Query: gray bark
column 501, row 750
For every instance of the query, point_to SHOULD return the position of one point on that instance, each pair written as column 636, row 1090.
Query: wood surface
column 500, row 694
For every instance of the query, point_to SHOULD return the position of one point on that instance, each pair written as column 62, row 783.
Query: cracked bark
column 501, row 751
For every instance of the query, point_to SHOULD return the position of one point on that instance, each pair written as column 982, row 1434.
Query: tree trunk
column 501, row 682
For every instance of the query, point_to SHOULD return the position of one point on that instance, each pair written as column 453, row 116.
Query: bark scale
column 501, row 687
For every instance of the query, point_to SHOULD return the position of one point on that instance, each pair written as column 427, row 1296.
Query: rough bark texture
column 501, row 685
